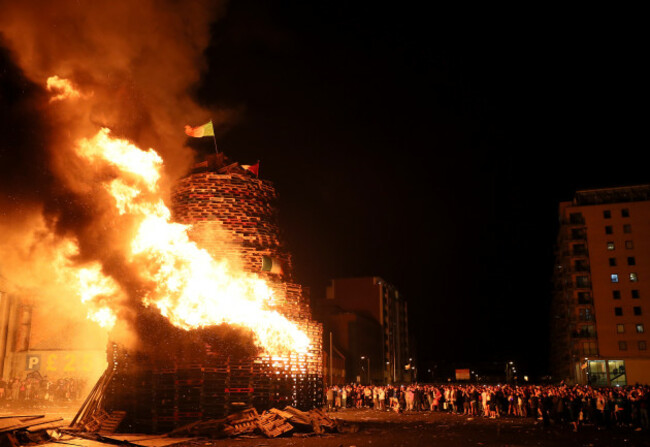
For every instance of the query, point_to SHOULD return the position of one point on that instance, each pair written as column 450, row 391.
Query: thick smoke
column 134, row 65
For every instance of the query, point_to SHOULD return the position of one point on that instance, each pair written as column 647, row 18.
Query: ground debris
column 271, row 424
column 22, row 430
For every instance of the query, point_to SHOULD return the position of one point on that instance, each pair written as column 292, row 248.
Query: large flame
column 187, row 285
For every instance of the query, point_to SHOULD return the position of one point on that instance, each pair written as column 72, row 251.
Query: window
column 616, row 370
column 589, row 348
column 579, row 249
column 616, row 294
column 585, row 314
column 581, row 265
column 622, row 346
column 612, row 262
column 627, row 228
column 582, row 281
column 635, row 294
column 633, row 277
column 642, row 345
column 637, row 310
column 631, row 260
column 607, row 214
column 625, row 212
column 610, row 245
column 608, row 229
column 614, row 277
column 640, row 329
column 618, row 311
column 620, row 328
column 629, row 245
column 576, row 218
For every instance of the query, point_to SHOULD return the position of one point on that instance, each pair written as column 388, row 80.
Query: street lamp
column 363, row 357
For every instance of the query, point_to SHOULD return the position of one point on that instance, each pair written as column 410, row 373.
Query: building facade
column 37, row 340
column 370, row 323
column 600, row 309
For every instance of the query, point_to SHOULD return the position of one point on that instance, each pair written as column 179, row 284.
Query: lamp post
column 363, row 357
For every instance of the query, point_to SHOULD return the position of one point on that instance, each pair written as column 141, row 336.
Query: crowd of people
column 40, row 390
column 571, row 405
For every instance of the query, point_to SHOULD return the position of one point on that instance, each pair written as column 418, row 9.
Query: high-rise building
column 601, row 303
column 369, row 319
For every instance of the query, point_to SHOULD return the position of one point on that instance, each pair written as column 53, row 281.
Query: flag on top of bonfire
column 255, row 169
column 205, row 130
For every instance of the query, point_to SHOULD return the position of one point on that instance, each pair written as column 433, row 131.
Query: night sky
column 432, row 148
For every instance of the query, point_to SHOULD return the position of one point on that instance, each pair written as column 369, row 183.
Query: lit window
column 618, row 311
column 622, row 346
column 607, row 214
column 633, row 277
column 635, row 294
column 637, row 310
column 642, row 345
column 610, row 246
column 614, row 277
column 609, row 229
column 620, row 328
column 640, row 329
column 625, row 212
column 612, row 262
column 631, row 260
column 627, row 228
column 616, row 294
column 629, row 245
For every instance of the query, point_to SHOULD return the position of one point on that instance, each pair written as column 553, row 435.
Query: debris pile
column 29, row 429
column 271, row 424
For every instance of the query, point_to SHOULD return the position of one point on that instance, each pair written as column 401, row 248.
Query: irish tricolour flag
column 206, row 130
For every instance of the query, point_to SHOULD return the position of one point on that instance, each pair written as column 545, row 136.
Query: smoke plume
column 126, row 66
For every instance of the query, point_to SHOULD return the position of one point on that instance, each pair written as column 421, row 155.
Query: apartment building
column 601, row 304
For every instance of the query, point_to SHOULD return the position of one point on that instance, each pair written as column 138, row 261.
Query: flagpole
column 214, row 139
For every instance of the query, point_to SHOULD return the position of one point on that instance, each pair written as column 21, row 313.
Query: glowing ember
column 187, row 285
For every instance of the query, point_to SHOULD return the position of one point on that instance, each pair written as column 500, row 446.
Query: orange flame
column 62, row 89
column 188, row 286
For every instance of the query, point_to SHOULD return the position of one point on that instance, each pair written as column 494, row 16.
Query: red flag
column 255, row 169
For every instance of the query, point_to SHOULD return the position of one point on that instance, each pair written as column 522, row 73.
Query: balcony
column 583, row 334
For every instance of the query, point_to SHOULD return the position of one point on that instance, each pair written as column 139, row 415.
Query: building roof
column 636, row 193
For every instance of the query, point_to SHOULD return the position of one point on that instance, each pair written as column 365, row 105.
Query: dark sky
column 432, row 149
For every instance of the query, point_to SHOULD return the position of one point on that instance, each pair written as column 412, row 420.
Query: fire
column 62, row 88
column 186, row 284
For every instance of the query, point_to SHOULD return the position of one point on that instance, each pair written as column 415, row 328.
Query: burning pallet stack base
column 150, row 398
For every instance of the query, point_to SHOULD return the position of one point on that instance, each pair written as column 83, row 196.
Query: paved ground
column 387, row 429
